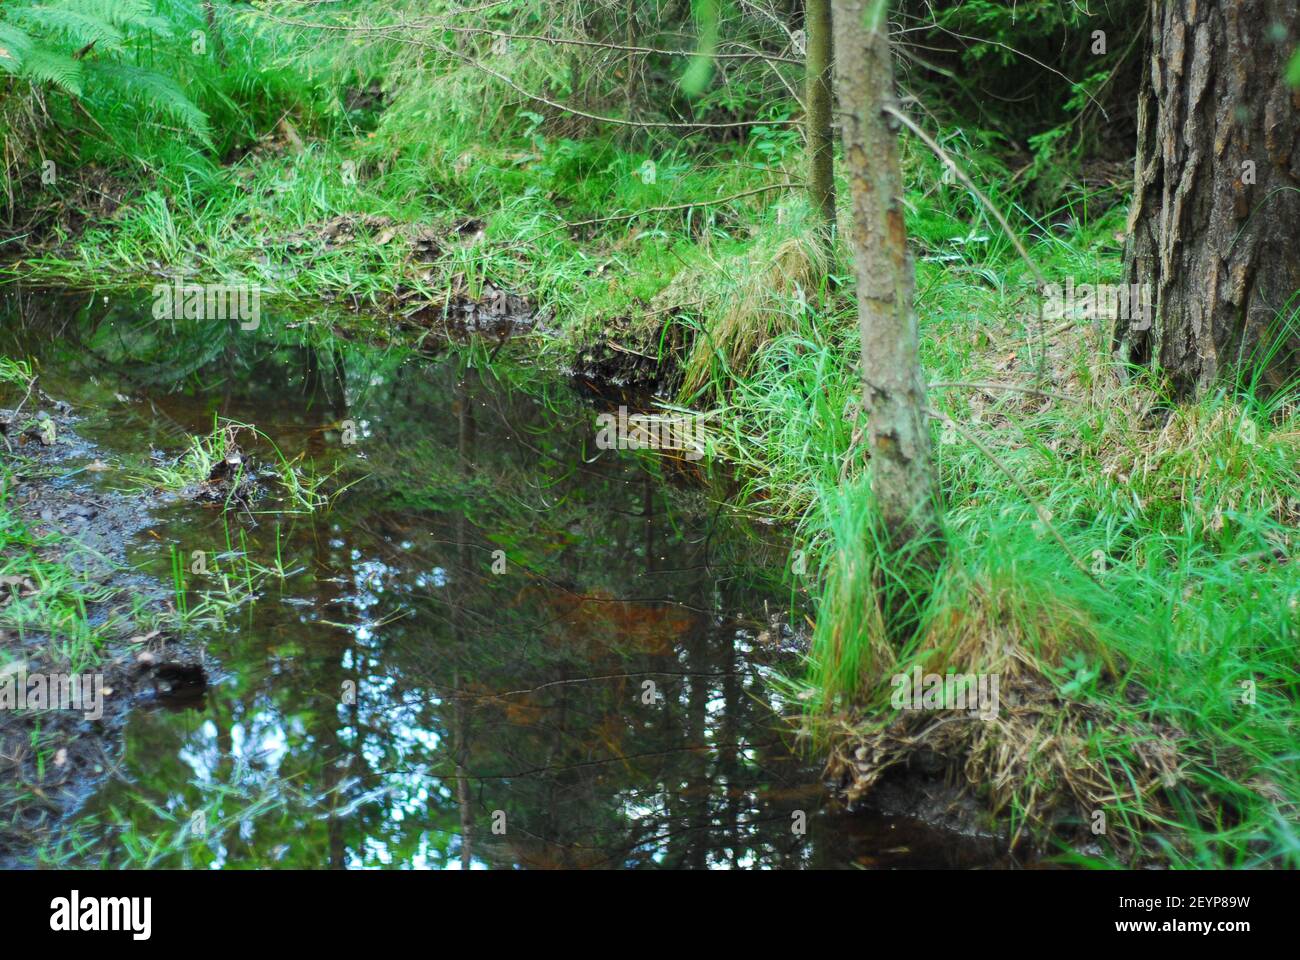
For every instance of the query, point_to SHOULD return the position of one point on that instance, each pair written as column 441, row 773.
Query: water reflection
column 501, row 648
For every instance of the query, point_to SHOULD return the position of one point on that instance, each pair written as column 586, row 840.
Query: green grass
column 1181, row 518
column 1168, row 601
column 64, row 610
column 299, row 485
column 45, row 595
column 112, row 840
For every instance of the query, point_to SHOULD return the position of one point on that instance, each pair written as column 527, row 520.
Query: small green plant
column 217, row 464
column 15, row 372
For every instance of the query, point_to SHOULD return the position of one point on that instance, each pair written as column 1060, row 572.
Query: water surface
column 500, row 647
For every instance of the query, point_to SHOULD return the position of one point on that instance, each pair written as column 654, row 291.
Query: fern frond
column 14, row 48
column 130, row 16
column 38, row 41
column 154, row 91
column 82, row 29
column 42, row 65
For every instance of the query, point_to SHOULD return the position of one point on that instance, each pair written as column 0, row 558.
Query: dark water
column 606, row 700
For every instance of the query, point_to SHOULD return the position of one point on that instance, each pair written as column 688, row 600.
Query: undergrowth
column 1121, row 561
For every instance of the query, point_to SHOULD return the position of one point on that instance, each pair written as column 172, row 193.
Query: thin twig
column 538, row 98
column 387, row 30
column 622, row 47
column 1021, row 53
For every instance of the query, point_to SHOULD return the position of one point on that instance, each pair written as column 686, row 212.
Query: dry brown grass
column 1038, row 756
column 753, row 301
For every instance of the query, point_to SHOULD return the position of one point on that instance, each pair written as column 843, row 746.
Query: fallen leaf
column 25, row 586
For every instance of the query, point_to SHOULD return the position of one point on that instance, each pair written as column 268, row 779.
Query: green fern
column 79, row 28
column 153, row 91
column 80, row 47
column 43, row 65
column 131, row 16
column 14, row 48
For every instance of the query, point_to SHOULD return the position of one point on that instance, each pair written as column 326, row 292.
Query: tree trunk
column 902, row 476
column 1216, row 197
column 817, row 70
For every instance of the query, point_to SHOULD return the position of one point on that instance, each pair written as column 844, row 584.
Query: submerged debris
column 174, row 682
column 232, row 479
column 494, row 313
column 51, row 759
column 631, row 354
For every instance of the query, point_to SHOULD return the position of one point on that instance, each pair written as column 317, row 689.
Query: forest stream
column 498, row 646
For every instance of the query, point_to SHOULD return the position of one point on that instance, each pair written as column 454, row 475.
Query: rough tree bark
column 817, row 93
column 902, row 476
column 1216, row 199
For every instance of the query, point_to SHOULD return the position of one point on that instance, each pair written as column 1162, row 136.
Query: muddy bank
column 120, row 639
